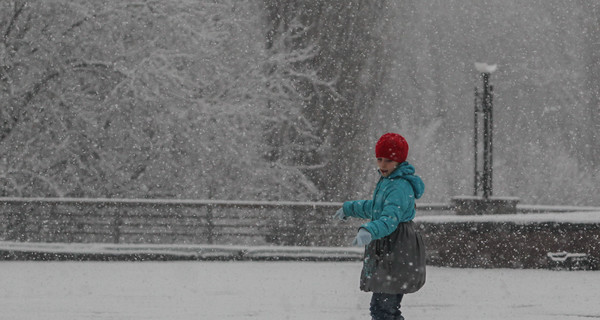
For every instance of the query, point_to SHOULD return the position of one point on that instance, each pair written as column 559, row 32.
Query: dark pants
column 386, row 306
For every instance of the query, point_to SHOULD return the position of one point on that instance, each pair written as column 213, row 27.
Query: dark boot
column 386, row 306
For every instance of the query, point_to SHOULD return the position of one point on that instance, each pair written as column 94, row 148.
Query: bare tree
column 332, row 59
column 137, row 100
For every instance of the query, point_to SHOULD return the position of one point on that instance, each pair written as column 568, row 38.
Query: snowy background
column 284, row 100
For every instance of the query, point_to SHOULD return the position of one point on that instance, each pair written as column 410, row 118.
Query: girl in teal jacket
column 394, row 261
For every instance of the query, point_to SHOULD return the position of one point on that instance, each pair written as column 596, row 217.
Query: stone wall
column 493, row 244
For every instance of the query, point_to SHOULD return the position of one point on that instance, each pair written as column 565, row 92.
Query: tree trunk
column 348, row 68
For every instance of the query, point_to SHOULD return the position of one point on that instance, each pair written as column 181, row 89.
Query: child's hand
column 363, row 238
column 340, row 214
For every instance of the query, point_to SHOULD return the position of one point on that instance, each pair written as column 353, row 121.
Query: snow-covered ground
column 280, row 290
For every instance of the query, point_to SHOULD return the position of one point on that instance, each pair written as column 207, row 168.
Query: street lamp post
column 483, row 118
column 484, row 105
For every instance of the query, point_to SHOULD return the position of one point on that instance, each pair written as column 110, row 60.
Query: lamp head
column 485, row 68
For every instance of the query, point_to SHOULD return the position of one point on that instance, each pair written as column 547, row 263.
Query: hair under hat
column 392, row 146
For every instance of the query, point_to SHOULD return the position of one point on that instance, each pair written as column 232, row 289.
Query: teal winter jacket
column 393, row 202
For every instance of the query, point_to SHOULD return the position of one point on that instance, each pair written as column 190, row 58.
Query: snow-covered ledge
column 471, row 205
column 553, row 218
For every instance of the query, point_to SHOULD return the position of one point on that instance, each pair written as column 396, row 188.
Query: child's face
column 386, row 166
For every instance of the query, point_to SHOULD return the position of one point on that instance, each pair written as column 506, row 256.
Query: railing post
column 210, row 225
column 116, row 228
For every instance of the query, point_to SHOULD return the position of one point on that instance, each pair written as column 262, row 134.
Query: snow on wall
column 563, row 217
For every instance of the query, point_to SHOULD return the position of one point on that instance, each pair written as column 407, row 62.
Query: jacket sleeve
column 359, row 208
column 395, row 210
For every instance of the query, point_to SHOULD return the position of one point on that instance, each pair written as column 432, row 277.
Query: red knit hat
column 392, row 146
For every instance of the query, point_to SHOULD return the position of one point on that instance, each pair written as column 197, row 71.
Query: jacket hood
column 407, row 172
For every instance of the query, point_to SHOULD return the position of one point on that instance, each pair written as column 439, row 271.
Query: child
column 394, row 260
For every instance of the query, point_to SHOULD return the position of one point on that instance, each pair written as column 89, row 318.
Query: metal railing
column 167, row 221
column 109, row 220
